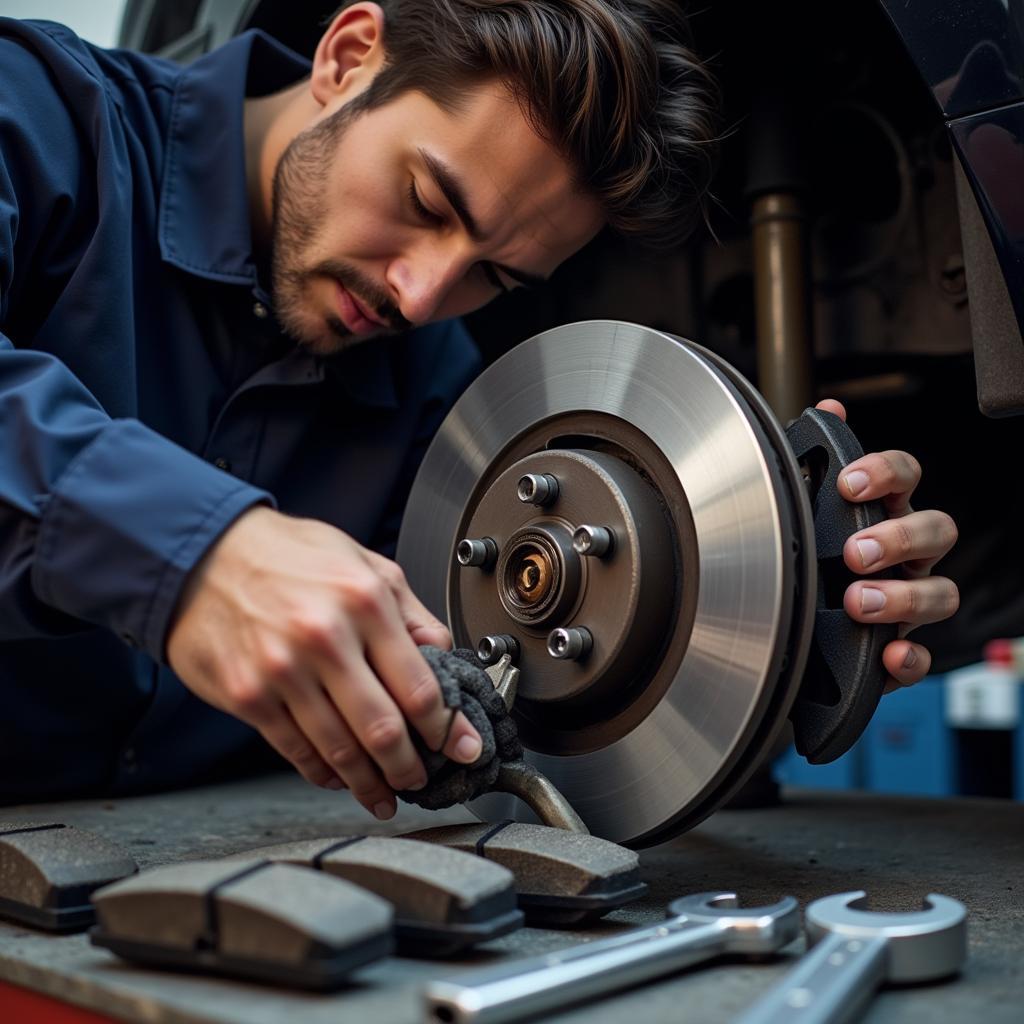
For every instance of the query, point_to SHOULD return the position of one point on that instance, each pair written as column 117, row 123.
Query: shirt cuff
column 125, row 524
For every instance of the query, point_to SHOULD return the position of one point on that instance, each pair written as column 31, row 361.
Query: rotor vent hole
column 819, row 685
column 833, row 579
column 814, row 466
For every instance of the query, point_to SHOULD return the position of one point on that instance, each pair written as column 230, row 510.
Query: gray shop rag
column 466, row 688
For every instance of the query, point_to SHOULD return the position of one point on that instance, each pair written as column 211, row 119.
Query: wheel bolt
column 491, row 649
column 592, row 540
column 537, row 489
column 480, row 554
column 571, row 644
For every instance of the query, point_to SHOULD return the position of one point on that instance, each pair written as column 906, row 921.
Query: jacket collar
column 204, row 206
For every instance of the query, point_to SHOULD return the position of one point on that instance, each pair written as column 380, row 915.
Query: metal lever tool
column 521, row 779
column 698, row 928
column 857, row 950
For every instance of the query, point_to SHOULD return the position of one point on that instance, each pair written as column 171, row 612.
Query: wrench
column 698, row 928
column 856, row 951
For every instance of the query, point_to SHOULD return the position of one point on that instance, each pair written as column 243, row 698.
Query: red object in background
column 20, row 1006
column 999, row 652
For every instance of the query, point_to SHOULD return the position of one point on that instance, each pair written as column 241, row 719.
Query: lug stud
column 571, row 644
column 480, row 554
column 537, row 489
column 595, row 541
column 491, row 649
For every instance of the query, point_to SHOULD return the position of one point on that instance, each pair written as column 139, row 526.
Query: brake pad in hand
column 444, row 900
column 562, row 878
column 251, row 919
column 47, row 872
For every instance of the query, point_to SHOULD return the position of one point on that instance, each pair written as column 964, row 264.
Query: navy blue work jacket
column 147, row 399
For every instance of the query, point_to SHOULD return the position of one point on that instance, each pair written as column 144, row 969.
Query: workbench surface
column 815, row 844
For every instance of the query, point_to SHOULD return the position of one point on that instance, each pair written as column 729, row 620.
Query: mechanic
column 201, row 467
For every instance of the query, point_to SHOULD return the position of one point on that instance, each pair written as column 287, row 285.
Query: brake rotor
column 620, row 508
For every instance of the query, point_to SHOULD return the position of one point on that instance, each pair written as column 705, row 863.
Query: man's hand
column 293, row 627
column 914, row 541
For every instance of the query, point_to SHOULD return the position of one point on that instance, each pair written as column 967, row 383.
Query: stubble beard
column 300, row 183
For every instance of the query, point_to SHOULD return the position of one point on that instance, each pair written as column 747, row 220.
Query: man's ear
column 349, row 55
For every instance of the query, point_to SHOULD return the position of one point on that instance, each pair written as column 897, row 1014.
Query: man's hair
column 612, row 85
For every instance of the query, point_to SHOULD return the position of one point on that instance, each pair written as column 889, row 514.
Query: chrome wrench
column 698, row 928
column 857, row 950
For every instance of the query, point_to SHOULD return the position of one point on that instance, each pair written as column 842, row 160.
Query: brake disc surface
column 700, row 614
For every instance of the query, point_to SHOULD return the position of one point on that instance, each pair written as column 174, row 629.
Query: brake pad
column 249, row 919
column 47, row 872
column 444, row 900
column 562, row 878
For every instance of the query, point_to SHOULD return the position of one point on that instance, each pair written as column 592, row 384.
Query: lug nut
column 491, row 649
column 480, row 554
column 570, row 644
column 592, row 540
column 537, row 489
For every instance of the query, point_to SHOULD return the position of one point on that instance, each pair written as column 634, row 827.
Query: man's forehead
column 514, row 181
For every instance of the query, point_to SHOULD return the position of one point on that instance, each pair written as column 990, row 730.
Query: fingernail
column 911, row 659
column 334, row 784
column 467, row 750
column 870, row 552
column 856, row 481
column 383, row 811
column 871, row 600
column 421, row 781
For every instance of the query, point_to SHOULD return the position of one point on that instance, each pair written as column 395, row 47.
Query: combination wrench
column 697, row 928
column 855, row 951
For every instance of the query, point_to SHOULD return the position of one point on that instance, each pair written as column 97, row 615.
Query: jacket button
column 260, row 311
column 221, row 463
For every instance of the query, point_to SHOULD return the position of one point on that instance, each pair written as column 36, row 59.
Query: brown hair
column 612, row 84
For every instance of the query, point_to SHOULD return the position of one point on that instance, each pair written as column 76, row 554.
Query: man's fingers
column 392, row 652
column 423, row 626
column 891, row 476
column 463, row 743
column 916, row 541
column 906, row 663
column 318, row 719
column 373, row 716
column 832, row 406
column 279, row 729
column 914, row 602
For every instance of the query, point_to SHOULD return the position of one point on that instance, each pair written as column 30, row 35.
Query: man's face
column 408, row 214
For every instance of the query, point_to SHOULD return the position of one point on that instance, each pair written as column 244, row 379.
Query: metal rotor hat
column 653, row 561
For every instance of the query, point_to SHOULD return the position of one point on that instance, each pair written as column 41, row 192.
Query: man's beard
column 300, row 183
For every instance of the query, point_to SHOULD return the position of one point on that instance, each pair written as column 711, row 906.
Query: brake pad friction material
column 443, row 899
column 48, row 870
column 561, row 877
column 250, row 918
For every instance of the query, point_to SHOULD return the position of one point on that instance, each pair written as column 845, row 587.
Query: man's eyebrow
column 454, row 191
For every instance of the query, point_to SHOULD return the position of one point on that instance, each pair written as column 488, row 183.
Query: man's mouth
column 355, row 315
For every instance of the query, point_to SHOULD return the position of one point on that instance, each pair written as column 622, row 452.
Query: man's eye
column 417, row 204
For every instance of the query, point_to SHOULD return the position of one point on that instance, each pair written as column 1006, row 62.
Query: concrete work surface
column 814, row 845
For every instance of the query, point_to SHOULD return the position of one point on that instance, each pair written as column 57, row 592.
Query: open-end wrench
column 856, row 951
column 698, row 928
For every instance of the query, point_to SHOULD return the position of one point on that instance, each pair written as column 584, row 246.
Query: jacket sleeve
column 101, row 519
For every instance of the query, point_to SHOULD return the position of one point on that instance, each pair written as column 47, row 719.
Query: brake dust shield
column 695, row 624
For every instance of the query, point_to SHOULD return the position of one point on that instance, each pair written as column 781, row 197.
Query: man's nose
column 422, row 280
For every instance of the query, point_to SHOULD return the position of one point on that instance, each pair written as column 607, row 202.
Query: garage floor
column 814, row 845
